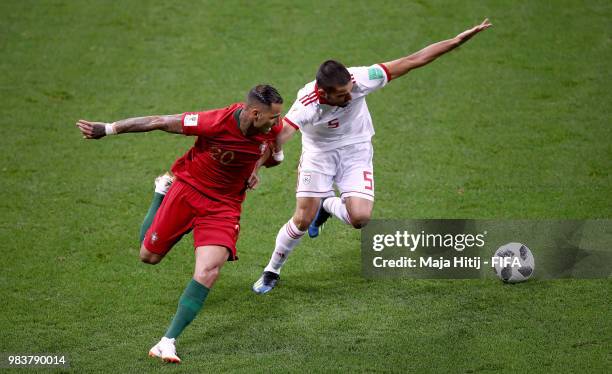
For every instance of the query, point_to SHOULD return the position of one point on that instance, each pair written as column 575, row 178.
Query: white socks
column 288, row 237
column 337, row 208
column 163, row 183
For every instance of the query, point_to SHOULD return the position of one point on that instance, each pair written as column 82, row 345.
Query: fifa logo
column 506, row 261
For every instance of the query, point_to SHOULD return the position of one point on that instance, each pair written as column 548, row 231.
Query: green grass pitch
column 515, row 124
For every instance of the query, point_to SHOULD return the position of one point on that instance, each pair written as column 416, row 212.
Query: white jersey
column 325, row 127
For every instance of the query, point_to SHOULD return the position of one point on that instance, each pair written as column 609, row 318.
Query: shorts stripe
column 363, row 193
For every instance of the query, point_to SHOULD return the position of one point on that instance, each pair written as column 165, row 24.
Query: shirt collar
column 321, row 99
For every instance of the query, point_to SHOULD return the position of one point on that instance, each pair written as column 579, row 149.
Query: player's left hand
column 91, row 130
column 467, row 34
column 253, row 181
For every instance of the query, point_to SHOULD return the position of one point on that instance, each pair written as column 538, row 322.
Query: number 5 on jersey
column 369, row 180
column 333, row 124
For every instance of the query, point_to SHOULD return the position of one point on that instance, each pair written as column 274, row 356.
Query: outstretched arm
column 96, row 130
column 403, row 65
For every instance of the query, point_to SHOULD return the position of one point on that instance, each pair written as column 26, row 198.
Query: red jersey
column 222, row 159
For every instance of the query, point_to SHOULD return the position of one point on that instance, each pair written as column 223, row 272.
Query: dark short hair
column 264, row 94
column 332, row 74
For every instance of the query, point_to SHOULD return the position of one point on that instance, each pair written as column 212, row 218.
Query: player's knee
column 302, row 220
column 207, row 275
column 360, row 220
column 151, row 260
column 148, row 257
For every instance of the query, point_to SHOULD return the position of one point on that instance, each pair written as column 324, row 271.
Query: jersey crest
column 191, row 120
column 375, row 73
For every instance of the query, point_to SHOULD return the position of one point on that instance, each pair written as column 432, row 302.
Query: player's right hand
column 467, row 34
column 91, row 130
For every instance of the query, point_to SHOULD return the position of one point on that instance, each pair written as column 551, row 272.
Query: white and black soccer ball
column 513, row 263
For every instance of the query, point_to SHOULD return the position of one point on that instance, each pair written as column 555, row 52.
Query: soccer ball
column 513, row 263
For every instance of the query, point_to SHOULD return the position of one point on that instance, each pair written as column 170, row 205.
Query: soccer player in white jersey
column 332, row 114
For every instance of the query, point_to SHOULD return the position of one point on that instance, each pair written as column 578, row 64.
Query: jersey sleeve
column 370, row 78
column 195, row 123
column 297, row 115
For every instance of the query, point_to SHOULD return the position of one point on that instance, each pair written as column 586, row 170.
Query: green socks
column 190, row 303
column 148, row 220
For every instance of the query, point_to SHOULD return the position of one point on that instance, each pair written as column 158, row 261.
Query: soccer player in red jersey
column 210, row 183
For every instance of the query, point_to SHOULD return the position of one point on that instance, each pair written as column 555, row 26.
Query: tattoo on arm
column 168, row 123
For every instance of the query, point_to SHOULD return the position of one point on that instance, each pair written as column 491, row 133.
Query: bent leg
column 209, row 260
column 305, row 211
column 148, row 219
column 290, row 235
column 356, row 184
column 359, row 211
column 149, row 257
column 315, row 181
column 337, row 208
column 173, row 220
column 162, row 185
column 354, row 211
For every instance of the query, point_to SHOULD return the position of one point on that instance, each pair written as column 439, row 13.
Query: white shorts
column 349, row 167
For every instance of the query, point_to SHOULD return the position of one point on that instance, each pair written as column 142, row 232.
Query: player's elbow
column 415, row 62
column 158, row 123
column 455, row 42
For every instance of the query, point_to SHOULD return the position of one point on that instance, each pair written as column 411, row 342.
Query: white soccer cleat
column 265, row 283
column 163, row 183
column 165, row 350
